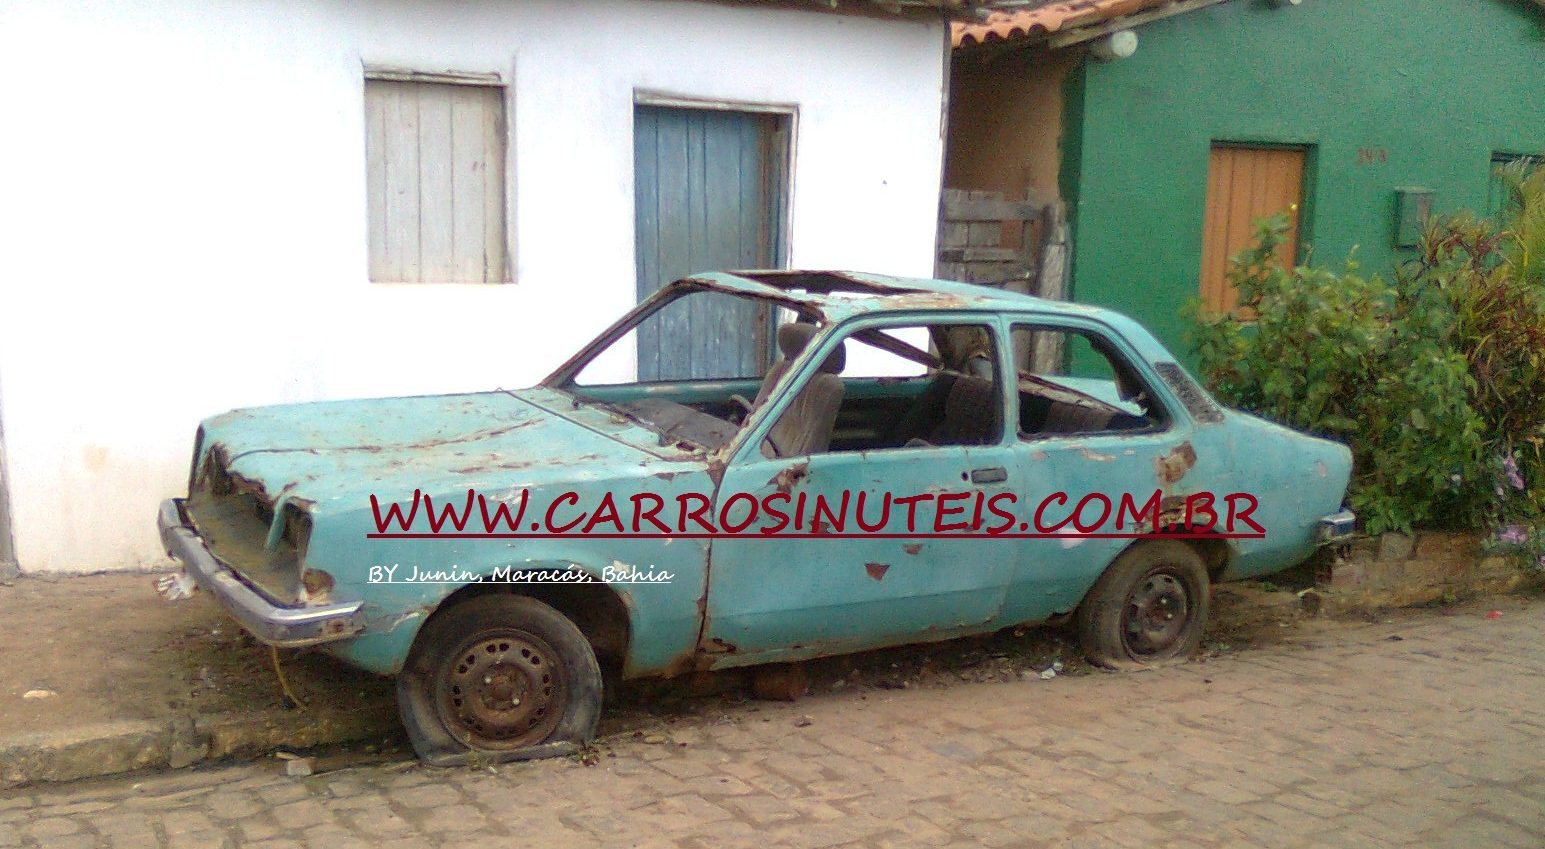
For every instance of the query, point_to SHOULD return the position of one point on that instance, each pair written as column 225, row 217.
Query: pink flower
column 1510, row 466
column 1513, row 535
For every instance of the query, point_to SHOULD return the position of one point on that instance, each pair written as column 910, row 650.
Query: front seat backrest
column 807, row 422
column 792, row 339
column 970, row 414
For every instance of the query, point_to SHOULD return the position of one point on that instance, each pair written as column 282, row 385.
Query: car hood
column 334, row 455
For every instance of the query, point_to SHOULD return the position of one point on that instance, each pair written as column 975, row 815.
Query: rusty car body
column 969, row 391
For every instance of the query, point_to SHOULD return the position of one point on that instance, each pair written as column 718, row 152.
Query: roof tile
column 1044, row 20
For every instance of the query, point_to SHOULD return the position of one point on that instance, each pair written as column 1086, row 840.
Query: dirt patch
column 108, row 648
column 1244, row 616
column 1253, row 614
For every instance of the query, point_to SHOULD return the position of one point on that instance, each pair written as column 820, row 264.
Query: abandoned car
column 749, row 468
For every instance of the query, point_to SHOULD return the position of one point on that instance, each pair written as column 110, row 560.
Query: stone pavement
column 1427, row 730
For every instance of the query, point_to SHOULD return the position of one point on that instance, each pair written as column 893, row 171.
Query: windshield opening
column 690, row 368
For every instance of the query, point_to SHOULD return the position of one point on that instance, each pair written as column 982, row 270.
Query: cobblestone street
column 1427, row 730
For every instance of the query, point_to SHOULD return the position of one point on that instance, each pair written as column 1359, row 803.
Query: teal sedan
column 749, row 468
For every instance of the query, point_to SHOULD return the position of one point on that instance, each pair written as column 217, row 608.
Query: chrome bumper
column 271, row 623
column 1337, row 527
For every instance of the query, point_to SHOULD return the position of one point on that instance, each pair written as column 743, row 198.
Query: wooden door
column 709, row 192
column 1245, row 184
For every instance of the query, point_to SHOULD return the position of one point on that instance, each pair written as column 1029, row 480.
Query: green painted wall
column 1432, row 87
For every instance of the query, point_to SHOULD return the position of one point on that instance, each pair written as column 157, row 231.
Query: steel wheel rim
column 501, row 690
column 1156, row 613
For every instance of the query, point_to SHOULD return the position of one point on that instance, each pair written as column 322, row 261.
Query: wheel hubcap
column 1156, row 613
column 501, row 691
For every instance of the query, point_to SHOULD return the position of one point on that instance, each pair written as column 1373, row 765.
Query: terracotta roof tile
column 1043, row 20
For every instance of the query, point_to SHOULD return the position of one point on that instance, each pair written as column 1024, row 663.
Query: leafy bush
column 1436, row 381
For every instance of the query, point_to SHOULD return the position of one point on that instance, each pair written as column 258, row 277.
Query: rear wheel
column 499, row 677
column 1148, row 609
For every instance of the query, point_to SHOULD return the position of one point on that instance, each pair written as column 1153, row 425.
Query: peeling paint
column 790, row 477
column 1173, row 466
column 877, row 570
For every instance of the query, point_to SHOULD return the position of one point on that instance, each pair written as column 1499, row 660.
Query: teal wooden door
column 708, row 196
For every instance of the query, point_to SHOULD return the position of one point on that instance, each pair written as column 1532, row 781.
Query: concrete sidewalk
column 100, row 675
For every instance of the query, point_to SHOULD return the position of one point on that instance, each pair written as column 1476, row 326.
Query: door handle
column 996, row 474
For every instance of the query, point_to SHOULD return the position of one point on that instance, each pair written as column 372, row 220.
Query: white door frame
column 8, row 565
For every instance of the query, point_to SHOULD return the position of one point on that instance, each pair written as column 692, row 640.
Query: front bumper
column 1337, row 528
column 274, row 624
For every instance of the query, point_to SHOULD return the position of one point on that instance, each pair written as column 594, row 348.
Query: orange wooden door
column 1244, row 184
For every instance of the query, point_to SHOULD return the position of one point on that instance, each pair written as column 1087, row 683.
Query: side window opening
column 907, row 386
column 1073, row 382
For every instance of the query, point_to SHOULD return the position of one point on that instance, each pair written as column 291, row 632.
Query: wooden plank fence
column 1016, row 245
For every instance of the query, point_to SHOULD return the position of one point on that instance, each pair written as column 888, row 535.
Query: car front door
column 849, row 573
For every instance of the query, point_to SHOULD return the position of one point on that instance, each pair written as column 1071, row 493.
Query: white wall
column 182, row 211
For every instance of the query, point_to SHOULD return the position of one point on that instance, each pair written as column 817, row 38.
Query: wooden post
column 1051, row 282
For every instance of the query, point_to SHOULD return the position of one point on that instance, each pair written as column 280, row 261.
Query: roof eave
column 1080, row 22
column 959, row 10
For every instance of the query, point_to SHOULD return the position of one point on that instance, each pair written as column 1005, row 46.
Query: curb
column 117, row 747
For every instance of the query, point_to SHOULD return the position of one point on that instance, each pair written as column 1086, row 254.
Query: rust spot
column 789, row 477
column 1174, row 465
column 912, row 547
column 665, row 476
column 248, row 486
column 319, row 585
column 1096, row 456
column 719, row 646
column 877, row 570
column 1172, row 511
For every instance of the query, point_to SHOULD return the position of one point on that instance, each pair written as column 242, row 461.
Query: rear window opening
column 1072, row 382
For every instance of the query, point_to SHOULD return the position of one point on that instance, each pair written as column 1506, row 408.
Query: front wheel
column 1148, row 609
column 499, row 677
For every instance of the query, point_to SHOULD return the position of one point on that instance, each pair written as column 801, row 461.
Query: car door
column 873, row 576
column 1098, row 437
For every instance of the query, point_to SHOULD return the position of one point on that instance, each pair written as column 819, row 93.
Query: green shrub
column 1436, row 381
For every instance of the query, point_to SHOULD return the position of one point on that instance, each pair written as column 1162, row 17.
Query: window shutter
column 435, row 156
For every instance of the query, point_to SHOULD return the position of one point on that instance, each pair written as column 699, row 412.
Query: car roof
column 840, row 295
